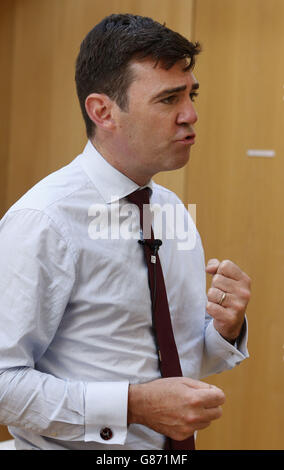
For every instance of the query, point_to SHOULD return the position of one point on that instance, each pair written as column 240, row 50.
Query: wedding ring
column 222, row 298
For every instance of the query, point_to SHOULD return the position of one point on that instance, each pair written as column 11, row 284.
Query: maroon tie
column 166, row 347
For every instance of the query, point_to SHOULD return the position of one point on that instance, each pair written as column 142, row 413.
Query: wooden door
column 240, row 210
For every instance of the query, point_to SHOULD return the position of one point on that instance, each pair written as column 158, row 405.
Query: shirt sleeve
column 37, row 274
column 219, row 354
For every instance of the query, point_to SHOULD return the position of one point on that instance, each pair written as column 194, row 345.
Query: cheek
column 156, row 129
column 139, row 132
column 147, row 131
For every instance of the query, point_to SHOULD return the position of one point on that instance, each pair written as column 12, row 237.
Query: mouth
column 187, row 140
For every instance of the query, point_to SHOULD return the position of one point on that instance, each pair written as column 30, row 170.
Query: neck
column 125, row 166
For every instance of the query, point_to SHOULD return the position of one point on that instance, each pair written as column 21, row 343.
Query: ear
column 99, row 108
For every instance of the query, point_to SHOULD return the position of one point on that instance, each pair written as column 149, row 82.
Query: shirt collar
column 111, row 183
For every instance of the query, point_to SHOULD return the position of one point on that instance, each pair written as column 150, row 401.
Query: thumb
column 212, row 266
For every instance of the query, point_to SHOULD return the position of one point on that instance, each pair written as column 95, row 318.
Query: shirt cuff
column 106, row 412
column 216, row 345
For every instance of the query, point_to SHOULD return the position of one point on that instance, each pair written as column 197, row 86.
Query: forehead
column 152, row 79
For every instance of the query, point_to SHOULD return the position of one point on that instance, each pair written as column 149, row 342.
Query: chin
column 180, row 161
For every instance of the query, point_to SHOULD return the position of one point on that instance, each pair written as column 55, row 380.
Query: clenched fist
column 175, row 406
column 228, row 297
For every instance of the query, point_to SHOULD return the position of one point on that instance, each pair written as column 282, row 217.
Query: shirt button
column 106, row 434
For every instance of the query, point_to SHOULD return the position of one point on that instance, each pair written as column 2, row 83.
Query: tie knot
column 139, row 197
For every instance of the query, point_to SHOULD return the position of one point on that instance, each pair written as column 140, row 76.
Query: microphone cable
column 154, row 245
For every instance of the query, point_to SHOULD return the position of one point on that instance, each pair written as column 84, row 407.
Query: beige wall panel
column 46, row 129
column 6, row 51
column 240, row 211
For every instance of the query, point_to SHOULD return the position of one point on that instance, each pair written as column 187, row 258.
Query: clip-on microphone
column 154, row 245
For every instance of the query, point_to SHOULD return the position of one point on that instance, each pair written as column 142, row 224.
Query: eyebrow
column 177, row 89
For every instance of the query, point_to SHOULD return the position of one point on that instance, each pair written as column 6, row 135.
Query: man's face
column 156, row 132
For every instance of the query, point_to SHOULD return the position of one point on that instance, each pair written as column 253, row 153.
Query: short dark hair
column 102, row 64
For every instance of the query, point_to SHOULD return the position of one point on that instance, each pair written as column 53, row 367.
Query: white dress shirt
column 75, row 317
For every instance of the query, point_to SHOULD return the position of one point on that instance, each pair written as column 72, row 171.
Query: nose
column 187, row 115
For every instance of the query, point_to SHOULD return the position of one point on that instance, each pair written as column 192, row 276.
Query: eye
column 193, row 95
column 169, row 100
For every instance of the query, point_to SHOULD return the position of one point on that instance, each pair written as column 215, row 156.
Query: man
column 79, row 365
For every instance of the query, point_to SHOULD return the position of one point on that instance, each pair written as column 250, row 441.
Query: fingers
column 212, row 266
column 211, row 398
column 204, row 419
column 223, row 283
column 228, row 269
column 207, row 395
column 236, row 299
column 206, row 398
column 215, row 295
column 197, row 384
column 205, row 405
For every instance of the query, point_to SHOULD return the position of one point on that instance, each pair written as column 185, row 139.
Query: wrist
column 135, row 403
column 229, row 340
column 229, row 334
